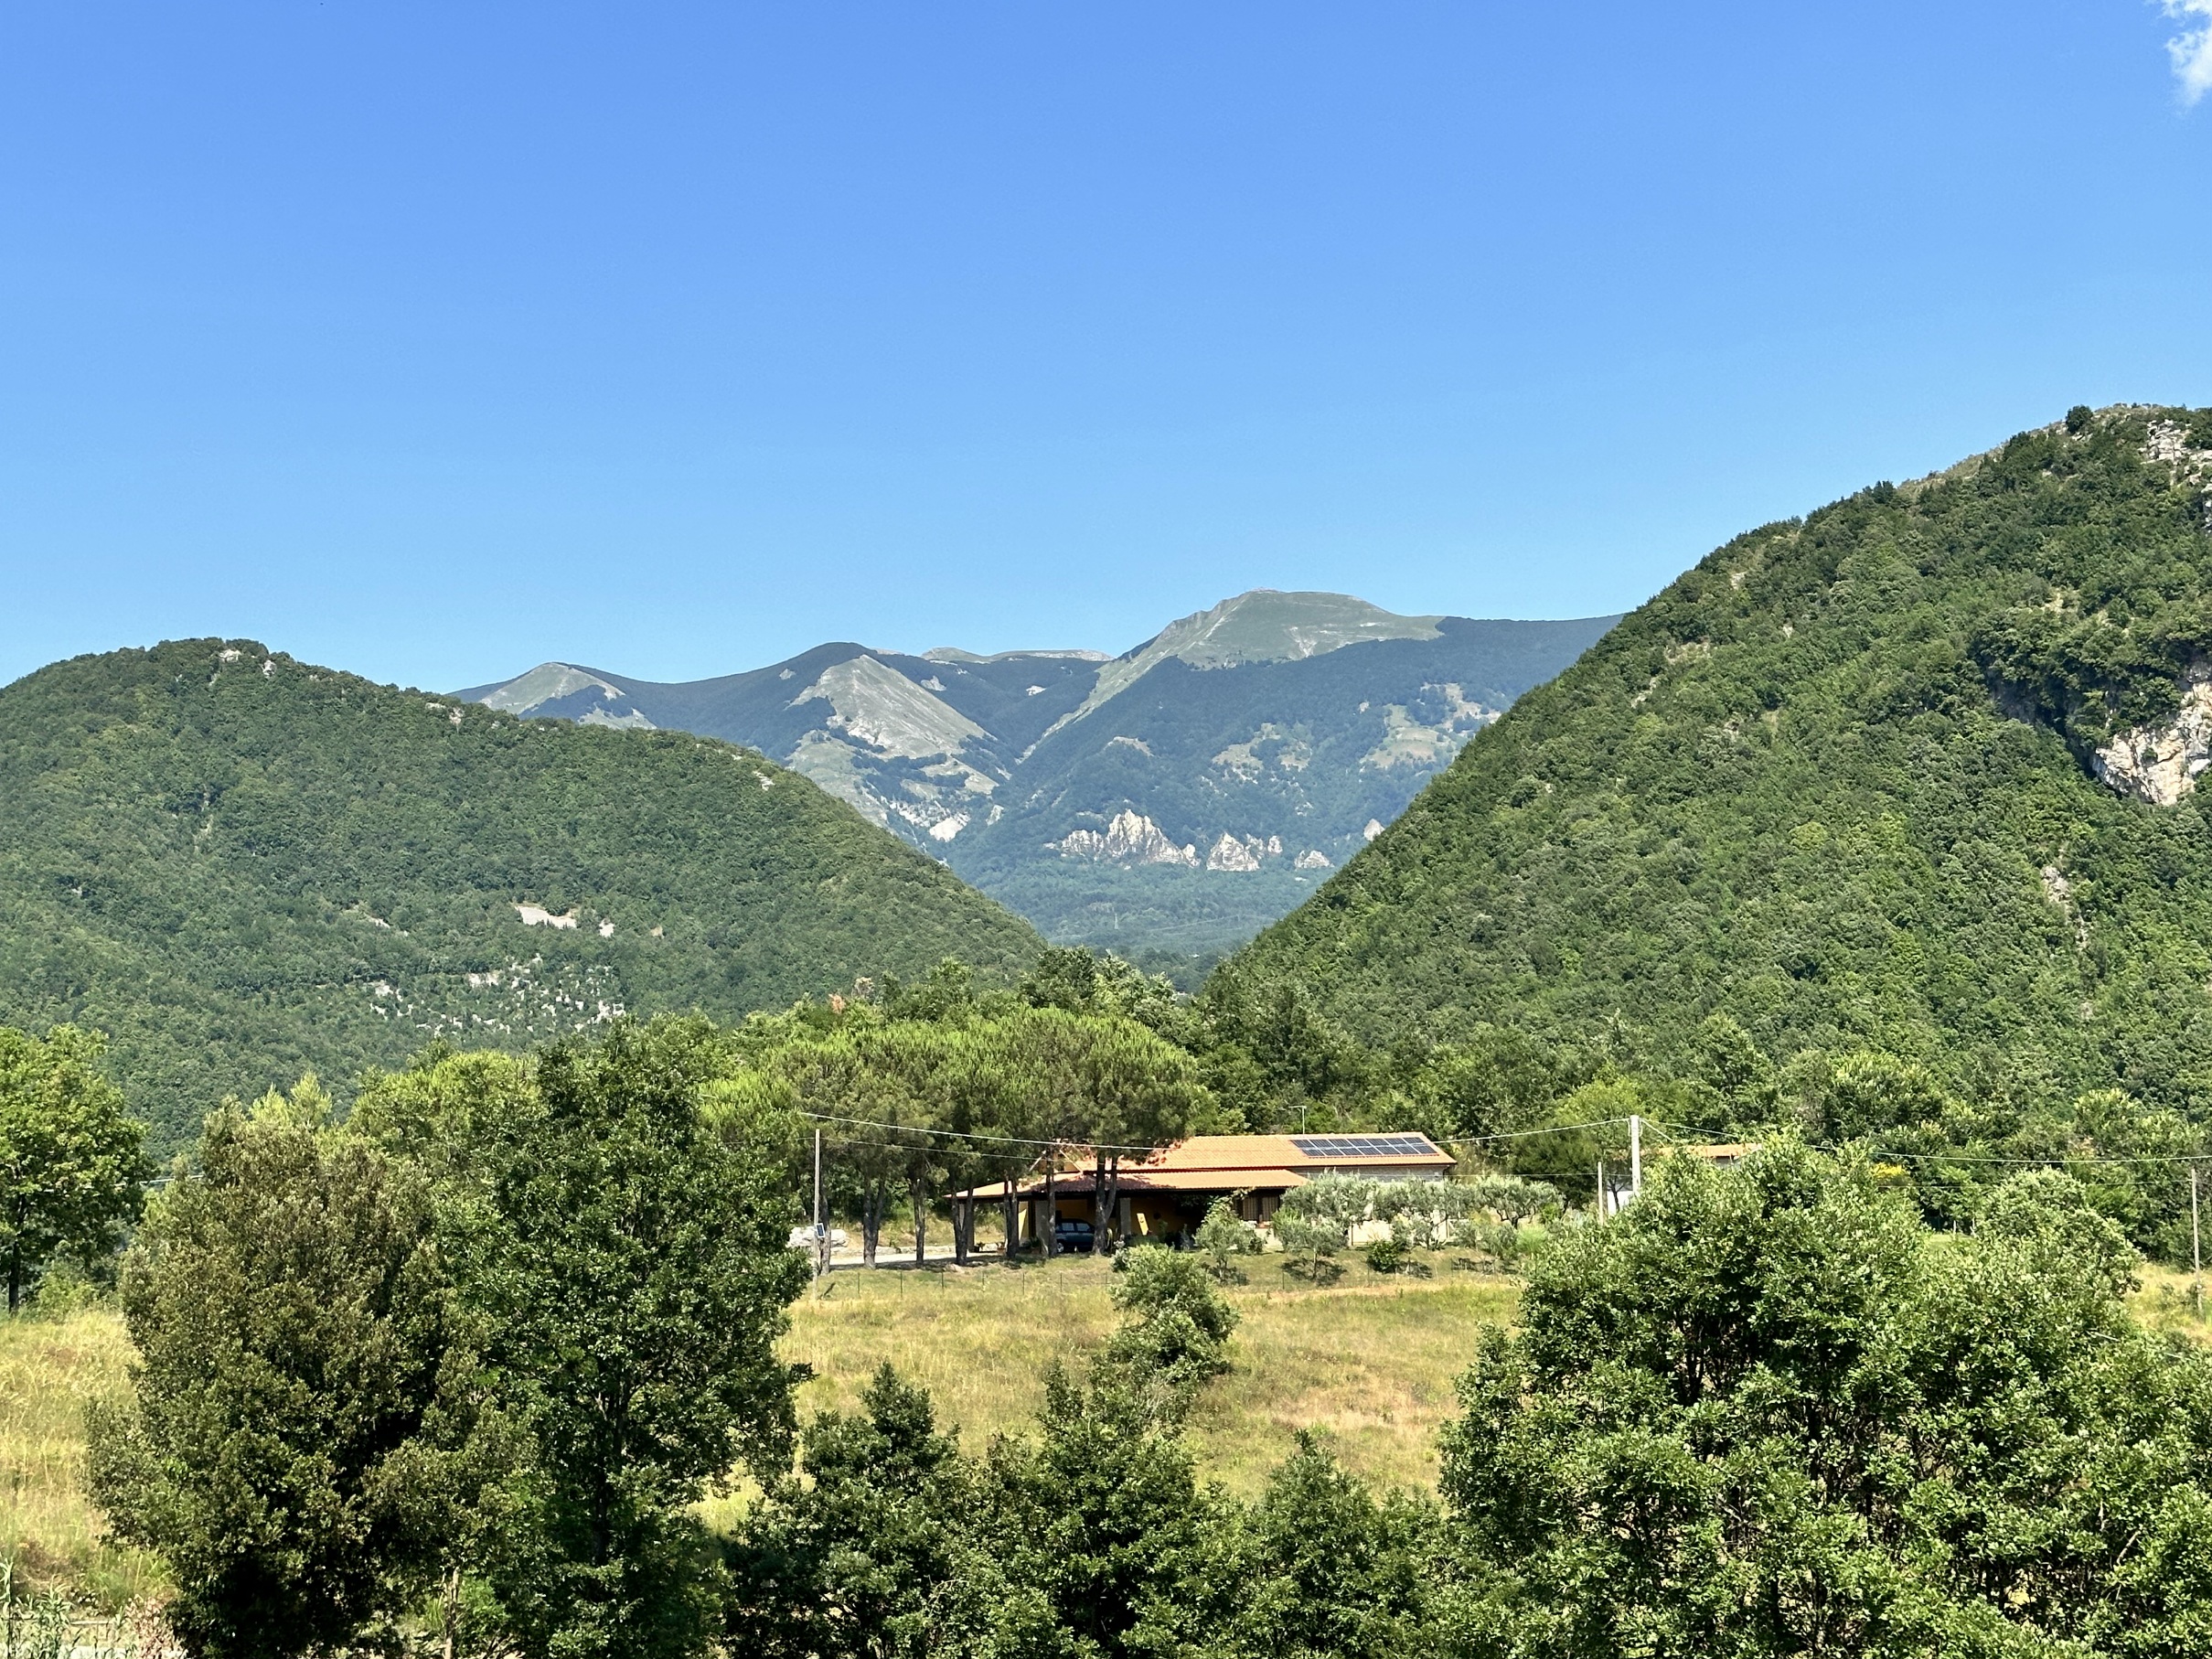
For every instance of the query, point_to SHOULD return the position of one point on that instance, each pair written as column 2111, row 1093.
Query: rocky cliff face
column 1130, row 838
column 2161, row 763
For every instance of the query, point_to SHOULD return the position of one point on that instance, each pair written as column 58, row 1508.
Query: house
column 1163, row 1198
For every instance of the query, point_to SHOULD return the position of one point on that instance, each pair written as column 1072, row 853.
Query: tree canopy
column 71, row 1158
column 1769, row 1411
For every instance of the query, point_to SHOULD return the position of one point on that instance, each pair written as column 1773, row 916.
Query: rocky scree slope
column 241, row 866
column 1919, row 772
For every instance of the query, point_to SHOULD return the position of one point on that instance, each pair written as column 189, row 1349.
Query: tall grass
column 2167, row 1301
column 1369, row 1363
column 52, row 1368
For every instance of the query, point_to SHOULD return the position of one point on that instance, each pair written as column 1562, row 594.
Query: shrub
column 1388, row 1256
column 1222, row 1237
column 1175, row 1324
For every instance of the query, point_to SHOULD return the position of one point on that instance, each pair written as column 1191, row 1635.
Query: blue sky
column 433, row 341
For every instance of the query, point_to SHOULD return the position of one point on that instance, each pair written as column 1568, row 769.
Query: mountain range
column 1920, row 771
column 1170, row 801
column 241, row 866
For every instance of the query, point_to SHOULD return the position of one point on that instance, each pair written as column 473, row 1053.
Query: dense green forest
column 1840, row 787
column 239, row 867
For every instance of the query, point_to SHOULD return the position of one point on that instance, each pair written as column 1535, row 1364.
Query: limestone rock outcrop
column 2160, row 764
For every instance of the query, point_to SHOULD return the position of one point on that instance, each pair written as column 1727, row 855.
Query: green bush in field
column 1222, row 1237
column 1175, row 1322
column 1389, row 1255
column 72, row 1167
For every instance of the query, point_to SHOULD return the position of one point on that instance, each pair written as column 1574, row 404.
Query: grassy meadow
column 1369, row 1360
column 52, row 1368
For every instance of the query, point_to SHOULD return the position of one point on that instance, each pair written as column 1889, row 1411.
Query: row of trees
column 915, row 1106
column 1947, row 1139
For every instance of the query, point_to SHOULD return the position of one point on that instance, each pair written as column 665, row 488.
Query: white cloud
column 2192, row 49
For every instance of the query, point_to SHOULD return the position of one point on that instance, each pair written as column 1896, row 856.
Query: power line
column 2183, row 1159
column 916, row 1129
column 1557, row 1129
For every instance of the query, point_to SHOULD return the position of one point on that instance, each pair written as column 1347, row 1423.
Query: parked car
column 1073, row 1235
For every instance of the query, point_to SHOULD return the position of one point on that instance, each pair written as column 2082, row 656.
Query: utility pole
column 2196, row 1249
column 821, row 1229
column 1635, row 1156
column 1601, row 1210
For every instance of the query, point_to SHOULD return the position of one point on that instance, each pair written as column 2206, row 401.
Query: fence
column 50, row 1626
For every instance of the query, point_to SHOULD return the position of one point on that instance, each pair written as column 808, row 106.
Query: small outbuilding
column 1162, row 1199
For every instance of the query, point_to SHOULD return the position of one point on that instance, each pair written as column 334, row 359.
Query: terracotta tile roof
column 1077, row 1183
column 1212, row 1163
column 1395, row 1150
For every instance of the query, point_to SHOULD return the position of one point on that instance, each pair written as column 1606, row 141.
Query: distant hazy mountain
column 1177, row 798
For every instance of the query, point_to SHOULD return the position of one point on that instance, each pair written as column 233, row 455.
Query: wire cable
column 2184, row 1160
column 916, row 1129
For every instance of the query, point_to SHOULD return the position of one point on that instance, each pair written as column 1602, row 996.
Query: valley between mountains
column 1167, row 803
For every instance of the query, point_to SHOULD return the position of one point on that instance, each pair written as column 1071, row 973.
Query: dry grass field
column 1368, row 1362
column 50, row 1369
column 2165, row 1302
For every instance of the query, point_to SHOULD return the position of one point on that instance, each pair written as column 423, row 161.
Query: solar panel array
column 1362, row 1146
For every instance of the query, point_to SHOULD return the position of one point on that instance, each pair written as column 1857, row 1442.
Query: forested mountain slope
column 1917, row 772
column 240, row 866
column 1177, row 798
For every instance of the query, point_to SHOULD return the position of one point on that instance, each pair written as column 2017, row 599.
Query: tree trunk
column 964, row 1222
column 1113, row 1198
column 1012, row 1210
column 1052, row 1211
column 918, row 1190
column 872, row 1220
column 1098, row 1209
